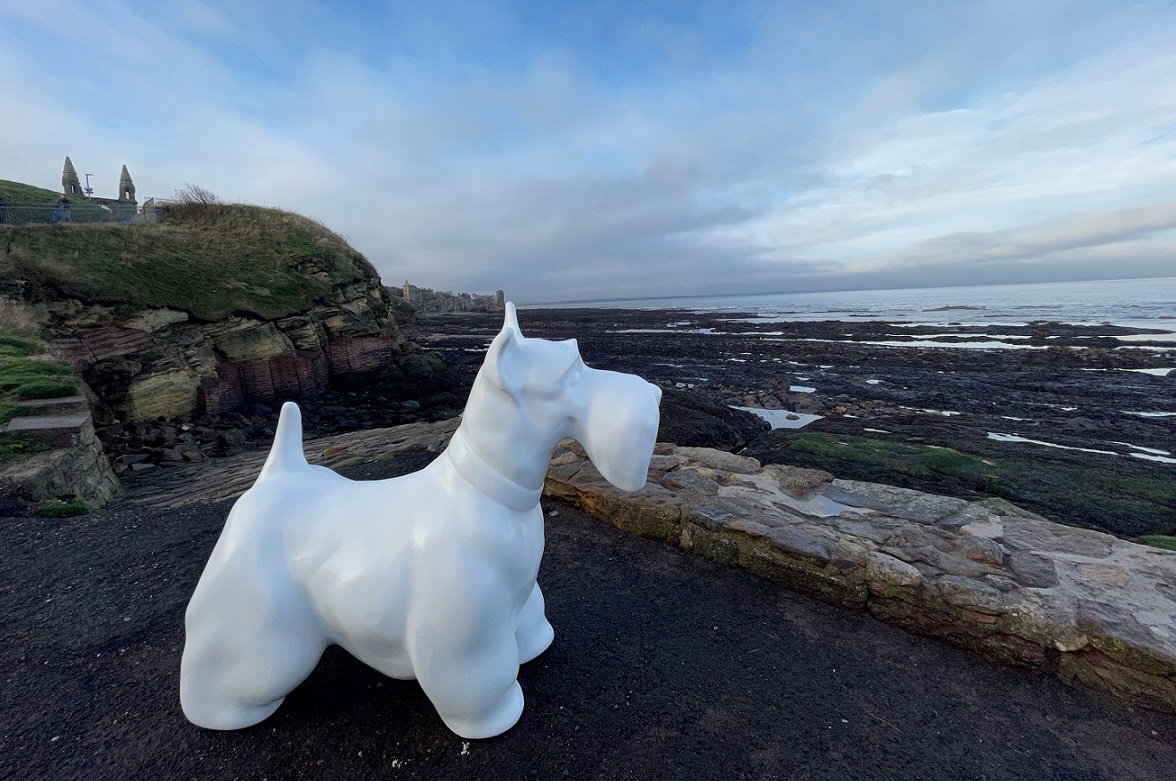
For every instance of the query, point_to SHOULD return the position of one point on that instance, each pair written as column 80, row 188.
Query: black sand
column 664, row 667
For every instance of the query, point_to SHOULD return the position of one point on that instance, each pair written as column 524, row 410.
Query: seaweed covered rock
column 700, row 419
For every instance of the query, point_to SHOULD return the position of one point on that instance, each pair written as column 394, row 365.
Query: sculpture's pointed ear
column 501, row 364
column 512, row 319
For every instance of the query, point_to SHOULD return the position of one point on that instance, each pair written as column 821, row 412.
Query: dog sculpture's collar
column 486, row 478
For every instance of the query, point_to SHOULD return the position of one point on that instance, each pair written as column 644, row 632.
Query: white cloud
column 971, row 140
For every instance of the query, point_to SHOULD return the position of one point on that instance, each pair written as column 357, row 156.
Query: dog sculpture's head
column 613, row 415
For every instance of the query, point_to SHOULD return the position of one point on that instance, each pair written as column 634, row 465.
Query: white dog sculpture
column 428, row 576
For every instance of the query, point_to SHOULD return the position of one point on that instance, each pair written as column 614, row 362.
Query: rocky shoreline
column 941, row 409
column 892, row 409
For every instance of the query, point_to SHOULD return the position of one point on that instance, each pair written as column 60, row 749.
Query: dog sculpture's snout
column 620, row 427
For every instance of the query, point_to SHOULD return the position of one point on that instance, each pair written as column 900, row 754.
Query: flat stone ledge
column 72, row 422
column 987, row 576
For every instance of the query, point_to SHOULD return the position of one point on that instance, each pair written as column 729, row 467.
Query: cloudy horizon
column 599, row 150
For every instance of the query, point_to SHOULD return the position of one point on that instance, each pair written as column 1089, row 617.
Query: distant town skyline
column 597, row 150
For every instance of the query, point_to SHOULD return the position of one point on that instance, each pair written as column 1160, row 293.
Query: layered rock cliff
column 164, row 363
column 203, row 312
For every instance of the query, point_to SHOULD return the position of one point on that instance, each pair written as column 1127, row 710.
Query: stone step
column 53, row 430
column 67, row 405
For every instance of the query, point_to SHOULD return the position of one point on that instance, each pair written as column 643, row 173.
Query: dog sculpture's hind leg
column 232, row 678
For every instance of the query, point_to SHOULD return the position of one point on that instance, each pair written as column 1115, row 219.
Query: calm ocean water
column 1137, row 303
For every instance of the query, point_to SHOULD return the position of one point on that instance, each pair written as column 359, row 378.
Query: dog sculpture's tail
column 286, row 454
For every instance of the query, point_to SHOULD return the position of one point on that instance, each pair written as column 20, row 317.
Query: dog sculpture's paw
column 497, row 719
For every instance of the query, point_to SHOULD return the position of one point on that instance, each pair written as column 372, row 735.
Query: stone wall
column 987, row 576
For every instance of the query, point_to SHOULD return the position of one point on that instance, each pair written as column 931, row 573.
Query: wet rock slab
column 1022, row 590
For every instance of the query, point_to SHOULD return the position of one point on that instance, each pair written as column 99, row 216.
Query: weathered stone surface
column 720, row 459
column 981, row 575
column 248, row 341
column 165, row 394
column 889, row 571
column 970, row 593
column 712, row 514
column 83, row 348
column 152, row 320
column 900, row 502
column 980, row 549
column 972, row 513
column 806, row 543
column 867, row 529
column 1028, row 534
column 797, row 481
column 690, row 479
column 1033, row 570
column 360, row 355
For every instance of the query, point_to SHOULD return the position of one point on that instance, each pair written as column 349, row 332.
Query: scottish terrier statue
column 429, row 576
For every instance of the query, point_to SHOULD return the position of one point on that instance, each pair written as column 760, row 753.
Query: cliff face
column 209, row 308
column 149, row 363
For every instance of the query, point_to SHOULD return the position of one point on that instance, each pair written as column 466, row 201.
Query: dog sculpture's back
column 429, row 576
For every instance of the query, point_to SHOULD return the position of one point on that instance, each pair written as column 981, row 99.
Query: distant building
column 428, row 300
column 122, row 208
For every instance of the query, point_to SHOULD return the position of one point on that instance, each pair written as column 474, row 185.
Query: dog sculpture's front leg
column 462, row 643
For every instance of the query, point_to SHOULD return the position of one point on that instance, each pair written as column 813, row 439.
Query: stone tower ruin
column 122, row 208
column 70, row 185
column 126, row 187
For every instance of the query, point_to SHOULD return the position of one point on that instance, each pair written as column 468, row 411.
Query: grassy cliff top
column 15, row 192
column 207, row 261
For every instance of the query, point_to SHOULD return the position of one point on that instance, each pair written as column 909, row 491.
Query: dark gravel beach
column 664, row 666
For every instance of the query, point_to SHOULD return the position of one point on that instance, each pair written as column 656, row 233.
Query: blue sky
column 606, row 149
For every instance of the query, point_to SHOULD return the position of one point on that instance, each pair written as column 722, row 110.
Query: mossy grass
column 209, row 263
column 13, row 345
column 18, row 447
column 16, row 192
column 1131, row 499
column 23, row 377
column 63, row 508
column 1158, row 541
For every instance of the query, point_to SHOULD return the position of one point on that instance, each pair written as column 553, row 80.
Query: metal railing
column 43, row 213
column 81, row 211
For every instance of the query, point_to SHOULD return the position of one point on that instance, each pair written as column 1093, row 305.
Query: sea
column 1145, row 304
